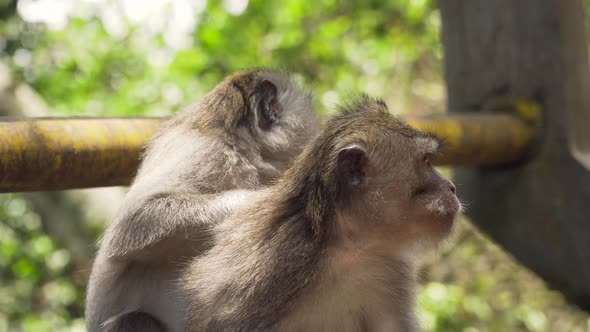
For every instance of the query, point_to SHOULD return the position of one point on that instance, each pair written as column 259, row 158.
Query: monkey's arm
column 166, row 223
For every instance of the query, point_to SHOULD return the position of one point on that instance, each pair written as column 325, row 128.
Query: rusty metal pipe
column 478, row 139
column 41, row 154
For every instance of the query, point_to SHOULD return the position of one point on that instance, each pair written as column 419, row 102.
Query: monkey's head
column 378, row 172
column 384, row 172
column 265, row 109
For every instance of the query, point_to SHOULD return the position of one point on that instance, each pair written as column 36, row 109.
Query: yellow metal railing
column 64, row 153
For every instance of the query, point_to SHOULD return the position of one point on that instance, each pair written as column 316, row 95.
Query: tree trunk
column 539, row 211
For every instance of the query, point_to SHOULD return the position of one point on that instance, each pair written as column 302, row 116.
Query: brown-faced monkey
column 332, row 246
column 201, row 165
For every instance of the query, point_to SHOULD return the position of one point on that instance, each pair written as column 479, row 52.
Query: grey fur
column 204, row 164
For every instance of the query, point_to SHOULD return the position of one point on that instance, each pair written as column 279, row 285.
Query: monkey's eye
column 420, row 191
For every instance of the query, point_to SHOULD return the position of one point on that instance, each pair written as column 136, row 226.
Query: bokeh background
column 152, row 58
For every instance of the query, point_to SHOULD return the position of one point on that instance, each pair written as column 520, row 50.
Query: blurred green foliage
column 37, row 290
column 110, row 58
column 473, row 285
column 341, row 47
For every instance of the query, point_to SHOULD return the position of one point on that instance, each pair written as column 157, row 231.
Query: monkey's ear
column 353, row 167
column 266, row 104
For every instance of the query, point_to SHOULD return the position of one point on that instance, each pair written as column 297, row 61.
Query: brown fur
column 203, row 164
column 324, row 250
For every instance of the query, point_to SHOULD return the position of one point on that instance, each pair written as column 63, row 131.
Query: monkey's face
column 422, row 202
column 399, row 190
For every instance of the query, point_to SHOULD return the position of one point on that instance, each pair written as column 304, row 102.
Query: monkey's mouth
column 446, row 213
column 453, row 210
column 445, row 207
